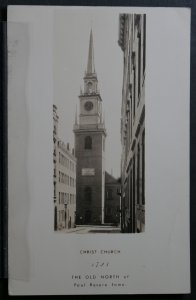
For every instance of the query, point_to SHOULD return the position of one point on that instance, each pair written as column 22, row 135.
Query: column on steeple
column 76, row 116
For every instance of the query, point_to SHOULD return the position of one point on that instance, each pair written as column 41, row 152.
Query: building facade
column 90, row 137
column 132, row 40
column 112, row 200
column 64, row 181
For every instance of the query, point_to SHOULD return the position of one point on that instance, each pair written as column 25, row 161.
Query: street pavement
column 93, row 229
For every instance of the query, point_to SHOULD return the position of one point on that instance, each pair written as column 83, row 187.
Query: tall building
column 132, row 40
column 90, row 137
column 64, row 181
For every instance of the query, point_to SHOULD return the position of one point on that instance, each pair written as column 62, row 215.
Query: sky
column 71, row 41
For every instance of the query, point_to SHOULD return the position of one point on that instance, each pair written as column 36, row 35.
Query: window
column 66, row 179
column 88, row 142
column 90, row 86
column 88, row 193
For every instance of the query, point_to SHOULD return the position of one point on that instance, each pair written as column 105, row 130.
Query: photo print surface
column 99, row 124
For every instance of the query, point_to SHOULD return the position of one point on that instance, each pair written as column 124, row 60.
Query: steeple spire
column 90, row 64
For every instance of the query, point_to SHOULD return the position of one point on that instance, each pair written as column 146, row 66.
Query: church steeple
column 90, row 112
column 90, row 135
column 90, row 63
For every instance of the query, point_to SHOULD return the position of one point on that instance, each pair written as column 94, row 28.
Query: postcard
column 98, row 139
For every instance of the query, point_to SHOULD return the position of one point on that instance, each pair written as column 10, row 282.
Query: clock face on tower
column 88, row 105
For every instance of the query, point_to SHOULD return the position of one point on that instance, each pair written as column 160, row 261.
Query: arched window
column 90, row 87
column 88, row 193
column 88, row 142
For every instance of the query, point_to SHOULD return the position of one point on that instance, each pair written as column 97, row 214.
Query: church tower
column 90, row 137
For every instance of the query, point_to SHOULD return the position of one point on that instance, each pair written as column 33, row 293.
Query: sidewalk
column 70, row 230
column 93, row 229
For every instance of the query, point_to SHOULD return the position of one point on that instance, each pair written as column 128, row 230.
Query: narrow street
column 93, row 229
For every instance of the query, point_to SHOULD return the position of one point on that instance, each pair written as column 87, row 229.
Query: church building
column 90, row 135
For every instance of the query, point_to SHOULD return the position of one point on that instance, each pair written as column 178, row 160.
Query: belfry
column 90, row 135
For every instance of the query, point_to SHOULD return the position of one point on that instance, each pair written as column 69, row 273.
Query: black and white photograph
column 98, row 150
column 99, row 124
